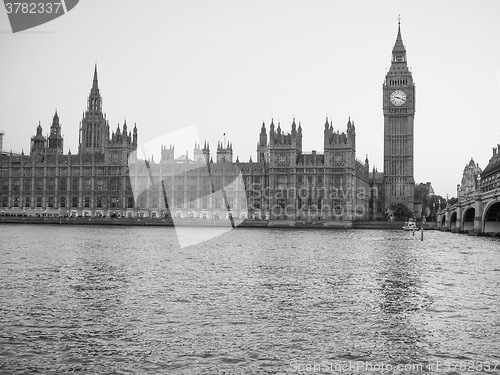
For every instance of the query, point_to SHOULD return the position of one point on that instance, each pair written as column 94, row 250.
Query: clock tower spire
column 399, row 113
column 399, row 50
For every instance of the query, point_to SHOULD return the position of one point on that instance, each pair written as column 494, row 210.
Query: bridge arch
column 468, row 220
column 491, row 219
column 453, row 220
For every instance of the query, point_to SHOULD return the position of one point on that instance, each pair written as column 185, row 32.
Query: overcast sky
column 226, row 66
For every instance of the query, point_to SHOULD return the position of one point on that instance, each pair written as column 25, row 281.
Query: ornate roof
column 469, row 178
column 493, row 166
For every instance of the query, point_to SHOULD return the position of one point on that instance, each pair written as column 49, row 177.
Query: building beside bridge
column 478, row 208
column 109, row 176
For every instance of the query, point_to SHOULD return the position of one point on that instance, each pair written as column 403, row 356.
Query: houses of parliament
column 109, row 178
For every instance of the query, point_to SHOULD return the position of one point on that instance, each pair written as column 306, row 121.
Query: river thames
column 130, row 300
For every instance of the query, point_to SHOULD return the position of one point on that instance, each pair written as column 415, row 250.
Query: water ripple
column 125, row 300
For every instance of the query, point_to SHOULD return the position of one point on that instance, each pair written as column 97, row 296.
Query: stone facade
column 399, row 112
column 109, row 178
column 490, row 177
column 470, row 180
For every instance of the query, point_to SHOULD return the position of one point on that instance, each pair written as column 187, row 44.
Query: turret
column 120, row 138
column 134, row 137
column 125, row 128
column 38, row 142
column 262, row 146
column 340, row 147
column 198, row 155
column 263, row 135
column 206, row 152
column 284, row 148
column 348, row 137
column 167, row 154
column 55, row 140
column 224, row 153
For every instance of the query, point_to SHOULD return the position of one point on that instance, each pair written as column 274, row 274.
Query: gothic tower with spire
column 55, row 139
column 94, row 128
column 38, row 142
column 399, row 113
column 262, row 146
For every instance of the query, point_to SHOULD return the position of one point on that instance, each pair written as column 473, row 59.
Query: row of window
column 117, row 202
column 86, row 159
column 489, row 183
column 402, row 81
column 113, row 183
column 61, row 172
column 118, row 183
column 490, row 187
column 490, row 178
column 60, row 202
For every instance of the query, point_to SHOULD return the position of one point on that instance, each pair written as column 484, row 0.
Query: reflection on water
column 120, row 300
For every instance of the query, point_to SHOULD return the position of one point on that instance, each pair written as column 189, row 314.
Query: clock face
column 398, row 98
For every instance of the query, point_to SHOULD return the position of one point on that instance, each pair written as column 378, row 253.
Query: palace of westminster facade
column 107, row 177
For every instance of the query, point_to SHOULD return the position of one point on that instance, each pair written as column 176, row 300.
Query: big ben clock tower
column 399, row 112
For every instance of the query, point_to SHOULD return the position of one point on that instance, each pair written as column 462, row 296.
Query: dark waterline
column 130, row 300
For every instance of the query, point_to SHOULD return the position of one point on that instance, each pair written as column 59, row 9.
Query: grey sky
column 226, row 66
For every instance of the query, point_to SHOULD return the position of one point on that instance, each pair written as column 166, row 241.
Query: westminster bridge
column 475, row 215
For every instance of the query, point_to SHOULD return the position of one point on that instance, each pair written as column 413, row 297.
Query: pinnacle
column 399, row 46
column 95, row 84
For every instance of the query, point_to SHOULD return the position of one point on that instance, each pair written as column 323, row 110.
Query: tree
column 437, row 202
column 398, row 212
column 422, row 193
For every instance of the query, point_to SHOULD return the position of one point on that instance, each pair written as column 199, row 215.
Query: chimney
column 494, row 151
column 1, row 141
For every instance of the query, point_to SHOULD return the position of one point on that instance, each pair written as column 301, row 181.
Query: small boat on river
column 411, row 225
